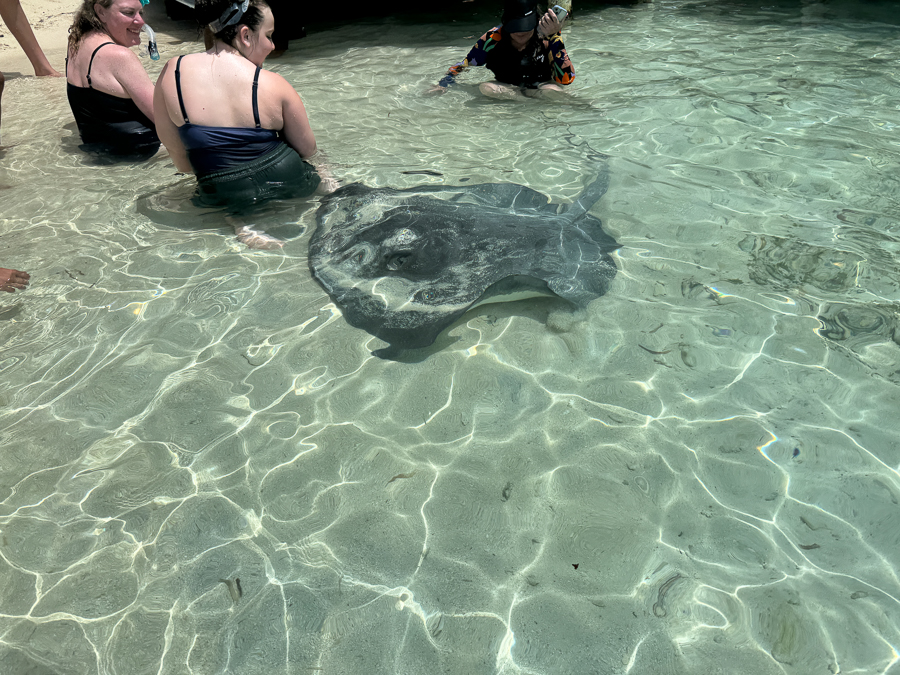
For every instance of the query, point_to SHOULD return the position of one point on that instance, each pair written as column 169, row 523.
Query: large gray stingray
column 405, row 264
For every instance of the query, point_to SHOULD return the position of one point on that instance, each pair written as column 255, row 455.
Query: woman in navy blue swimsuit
column 242, row 130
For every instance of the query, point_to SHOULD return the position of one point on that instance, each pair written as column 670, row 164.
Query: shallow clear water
column 697, row 475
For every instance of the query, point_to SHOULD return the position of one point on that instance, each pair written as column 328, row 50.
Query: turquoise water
column 712, row 443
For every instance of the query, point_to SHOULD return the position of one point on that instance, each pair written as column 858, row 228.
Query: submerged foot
column 547, row 92
column 255, row 239
column 500, row 91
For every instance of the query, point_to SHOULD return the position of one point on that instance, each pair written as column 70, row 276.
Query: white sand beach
column 50, row 20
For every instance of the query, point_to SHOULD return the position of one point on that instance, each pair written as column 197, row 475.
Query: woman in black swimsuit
column 109, row 91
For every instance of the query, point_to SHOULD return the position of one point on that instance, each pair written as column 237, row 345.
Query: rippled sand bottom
column 698, row 474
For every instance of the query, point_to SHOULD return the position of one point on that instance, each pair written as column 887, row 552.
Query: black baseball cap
column 520, row 16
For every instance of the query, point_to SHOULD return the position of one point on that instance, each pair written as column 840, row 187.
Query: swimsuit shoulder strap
column 178, row 89
column 255, row 98
column 91, row 63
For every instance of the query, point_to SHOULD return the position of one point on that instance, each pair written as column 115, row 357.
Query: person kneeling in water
column 242, row 130
column 109, row 91
column 522, row 59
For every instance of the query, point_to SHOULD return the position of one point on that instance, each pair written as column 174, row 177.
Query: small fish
column 810, row 525
column 234, row 588
column 659, row 607
column 401, row 475
column 422, row 172
column 506, row 492
column 653, row 352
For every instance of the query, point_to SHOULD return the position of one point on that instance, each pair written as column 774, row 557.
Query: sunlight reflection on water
column 699, row 474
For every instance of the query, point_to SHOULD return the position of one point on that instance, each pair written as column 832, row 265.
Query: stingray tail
column 591, row 195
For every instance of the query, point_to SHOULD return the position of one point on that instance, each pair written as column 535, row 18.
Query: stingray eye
column 397, row 261
column 425, row 296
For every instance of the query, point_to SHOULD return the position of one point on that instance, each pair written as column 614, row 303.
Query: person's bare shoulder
column 276, row 84
column 120, row 55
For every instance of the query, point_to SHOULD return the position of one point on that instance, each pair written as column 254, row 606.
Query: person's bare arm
column 128, row 71
column 166, row 128
column 297, row 131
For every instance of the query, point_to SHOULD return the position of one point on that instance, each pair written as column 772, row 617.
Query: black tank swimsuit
column 110, row 124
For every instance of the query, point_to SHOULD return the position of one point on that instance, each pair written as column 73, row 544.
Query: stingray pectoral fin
column 576, row 292
column 512, row 288
column 408, row 330
column 590, row 195
column 492, row 195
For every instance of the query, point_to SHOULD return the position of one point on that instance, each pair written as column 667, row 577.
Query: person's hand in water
column 252, row 238
column 257, row 239
column 436, row 90
column 328, row 182
column 10, row 280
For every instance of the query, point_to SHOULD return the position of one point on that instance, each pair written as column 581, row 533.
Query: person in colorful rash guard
column 519, row 55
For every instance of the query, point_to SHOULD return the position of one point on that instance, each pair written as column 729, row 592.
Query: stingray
column 403, row 265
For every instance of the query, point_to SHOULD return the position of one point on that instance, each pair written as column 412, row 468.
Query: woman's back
column 242, row 130
column 217, row 91
column 110, row 96
column 97, row 57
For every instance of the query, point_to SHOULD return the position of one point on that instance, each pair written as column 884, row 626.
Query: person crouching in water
column 242, row 130
column 522, row 59
column 109, row 91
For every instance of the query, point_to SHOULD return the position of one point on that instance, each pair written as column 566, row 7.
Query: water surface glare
column 699, row 474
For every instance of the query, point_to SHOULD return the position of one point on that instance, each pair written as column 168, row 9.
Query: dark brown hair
column 210, row 10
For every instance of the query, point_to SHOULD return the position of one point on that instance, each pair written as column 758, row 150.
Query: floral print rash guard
column 543, row 60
